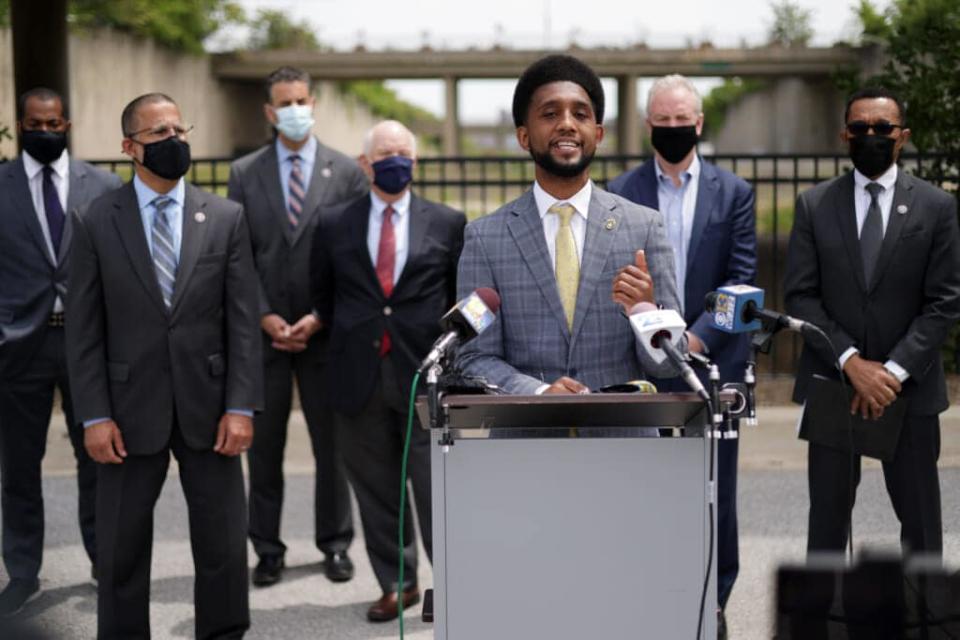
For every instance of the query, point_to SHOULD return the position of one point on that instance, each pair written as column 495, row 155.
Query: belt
column 56, row 320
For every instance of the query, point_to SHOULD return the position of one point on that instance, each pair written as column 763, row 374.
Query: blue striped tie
column 164, row 254
column 297, row 192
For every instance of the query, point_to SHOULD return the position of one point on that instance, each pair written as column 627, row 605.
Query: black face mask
column 674, row 143
column 44, row 146
column 872, row 155
column 168, row 158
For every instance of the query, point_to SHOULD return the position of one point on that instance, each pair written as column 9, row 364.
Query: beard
column 545, row 161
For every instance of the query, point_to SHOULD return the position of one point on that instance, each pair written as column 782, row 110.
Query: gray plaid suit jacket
column 529, row 344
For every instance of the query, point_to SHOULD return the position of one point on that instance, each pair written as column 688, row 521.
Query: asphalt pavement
column 305, row 605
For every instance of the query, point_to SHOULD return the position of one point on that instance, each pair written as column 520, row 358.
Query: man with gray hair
column 383, row 272
column 281, row 187
column 709, row 216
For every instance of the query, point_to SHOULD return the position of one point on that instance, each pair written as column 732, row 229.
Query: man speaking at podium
column 568, row 259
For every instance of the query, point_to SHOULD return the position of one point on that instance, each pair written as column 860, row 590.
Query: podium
column 559, row 517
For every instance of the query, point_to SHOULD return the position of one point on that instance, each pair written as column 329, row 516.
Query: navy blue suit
column 722, row 251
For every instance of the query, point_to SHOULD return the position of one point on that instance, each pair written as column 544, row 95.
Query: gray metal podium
column 551, row 520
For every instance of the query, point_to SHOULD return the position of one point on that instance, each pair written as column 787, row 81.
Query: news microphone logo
column 729, row 305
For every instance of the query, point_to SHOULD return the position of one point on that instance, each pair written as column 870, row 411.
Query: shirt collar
column 60, row 166
column 580, row 200
column 146, row 195
column 400, row 207
column 887, row 180
column 693, row 171
column 306, row 152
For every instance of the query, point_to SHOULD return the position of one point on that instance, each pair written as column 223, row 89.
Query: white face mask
column 295, row 121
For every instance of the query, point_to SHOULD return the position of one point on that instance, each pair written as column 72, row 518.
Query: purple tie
column 53, row 209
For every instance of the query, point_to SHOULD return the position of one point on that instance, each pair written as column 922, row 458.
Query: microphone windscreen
column 710, row 302
column 490, row 298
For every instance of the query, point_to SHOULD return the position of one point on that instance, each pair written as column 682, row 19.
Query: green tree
column 919, row 39
column 791, row 24
column 178, row 24
column 273, row 29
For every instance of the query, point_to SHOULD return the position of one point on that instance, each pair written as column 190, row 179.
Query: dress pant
column 333, row 518
column 912, row 481
column 126, row 495
column 728, row 542
column 27, row 388
column 372, row 446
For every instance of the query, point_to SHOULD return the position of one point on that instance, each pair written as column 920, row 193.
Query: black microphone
column 735, row 309
column 466, row 319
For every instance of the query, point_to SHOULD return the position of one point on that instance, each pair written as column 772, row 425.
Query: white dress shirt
column 861, row 202
column 667, row 196
column 61, row 181
column 401, row 230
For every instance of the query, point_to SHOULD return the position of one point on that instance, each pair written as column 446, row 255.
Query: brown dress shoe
column 385, row 609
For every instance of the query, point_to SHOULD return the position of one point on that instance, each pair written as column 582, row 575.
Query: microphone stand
column 438, row 416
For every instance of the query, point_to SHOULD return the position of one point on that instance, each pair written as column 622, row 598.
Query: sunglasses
column 861, row 128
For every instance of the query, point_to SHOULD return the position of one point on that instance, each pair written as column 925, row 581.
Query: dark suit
column 903, row 315
column 722, row 251
column 370, row 393
column 282, row 259
column 166, row 377
column 33, row 363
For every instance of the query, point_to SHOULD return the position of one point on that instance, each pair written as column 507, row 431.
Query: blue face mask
column 295, row 121
column 393, row 174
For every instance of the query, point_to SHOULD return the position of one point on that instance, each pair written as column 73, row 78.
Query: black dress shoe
column 268, row 571
column 338, row 567
column 386, row 608
column 16, row 595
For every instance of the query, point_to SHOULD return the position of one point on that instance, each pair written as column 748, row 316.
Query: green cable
column 403, row 495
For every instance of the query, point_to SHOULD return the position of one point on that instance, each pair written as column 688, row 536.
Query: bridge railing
column 478, row 185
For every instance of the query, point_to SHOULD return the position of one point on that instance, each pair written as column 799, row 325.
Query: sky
column 539, row 24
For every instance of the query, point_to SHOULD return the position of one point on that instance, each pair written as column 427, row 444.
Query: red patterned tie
column 386, row 259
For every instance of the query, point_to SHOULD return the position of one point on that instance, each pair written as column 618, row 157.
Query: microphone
column 739, row 309
column 469, row 317
column 659, row 331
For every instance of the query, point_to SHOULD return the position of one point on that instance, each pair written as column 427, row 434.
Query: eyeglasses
column 861, row 128
column 164, row 130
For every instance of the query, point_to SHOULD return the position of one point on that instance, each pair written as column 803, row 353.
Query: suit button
column 376, row 344
column 387, row 311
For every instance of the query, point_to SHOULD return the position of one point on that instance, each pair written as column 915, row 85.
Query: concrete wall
column 108, row 69
column 792, row 115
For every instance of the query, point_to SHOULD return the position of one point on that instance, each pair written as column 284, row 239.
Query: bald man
column 383, row 271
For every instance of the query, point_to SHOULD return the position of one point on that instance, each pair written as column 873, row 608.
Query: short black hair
column 129, row 114
column 44, row 95
column 867, row 93
column 286, row 74
column 556, row 68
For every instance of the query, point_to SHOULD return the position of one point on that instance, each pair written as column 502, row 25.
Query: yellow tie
column 568, row 265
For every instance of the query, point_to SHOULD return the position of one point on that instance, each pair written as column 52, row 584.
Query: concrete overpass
column 625, row 65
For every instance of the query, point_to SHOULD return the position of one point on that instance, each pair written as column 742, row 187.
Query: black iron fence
column 478, row 185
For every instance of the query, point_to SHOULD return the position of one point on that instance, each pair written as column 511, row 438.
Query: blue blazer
column 722, row 251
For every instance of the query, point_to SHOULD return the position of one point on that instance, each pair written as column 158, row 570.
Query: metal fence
column 478, row 185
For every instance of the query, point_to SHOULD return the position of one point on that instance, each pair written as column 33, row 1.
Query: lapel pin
column 200, row 216
column 901, row 209
column 610, row 224
column 325, row 172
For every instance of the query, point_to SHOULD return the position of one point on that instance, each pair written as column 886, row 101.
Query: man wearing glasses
column 164, row 356
column 874, row 261
column 36, row 191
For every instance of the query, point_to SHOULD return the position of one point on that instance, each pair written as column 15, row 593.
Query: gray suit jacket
column 132, row 359
column 530, row 344
column 282, row 256
column 30, row 277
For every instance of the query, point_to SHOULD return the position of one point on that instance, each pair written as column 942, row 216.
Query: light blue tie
column 164, row 254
